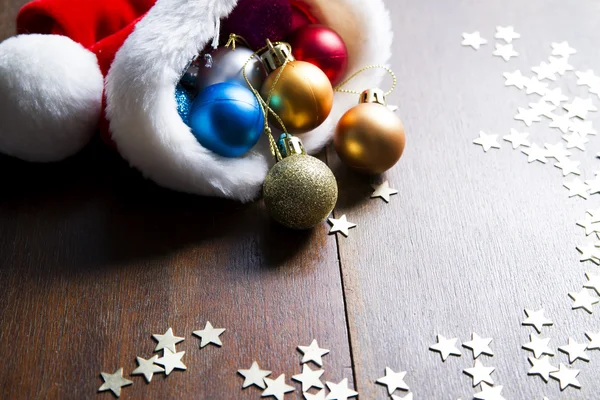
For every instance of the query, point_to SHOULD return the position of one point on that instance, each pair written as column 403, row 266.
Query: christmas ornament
column 300, row 191
column 370, row 137
column 323, row 47
column 184, row 103
column 225, row 65
column 226, row 119
column 297, row 91
column 301, row 15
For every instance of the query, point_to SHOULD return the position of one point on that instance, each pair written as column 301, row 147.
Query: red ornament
column 323, row 47
column 301, row 15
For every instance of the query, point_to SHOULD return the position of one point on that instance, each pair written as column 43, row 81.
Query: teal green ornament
column 227, row 119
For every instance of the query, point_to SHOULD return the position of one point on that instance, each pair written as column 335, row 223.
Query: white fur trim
column 142, row 109
column 50, row 97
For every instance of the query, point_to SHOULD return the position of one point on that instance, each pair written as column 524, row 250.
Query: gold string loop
column 339, row 89
column 233, row 39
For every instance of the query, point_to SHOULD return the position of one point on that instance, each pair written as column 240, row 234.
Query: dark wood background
column 93, row 259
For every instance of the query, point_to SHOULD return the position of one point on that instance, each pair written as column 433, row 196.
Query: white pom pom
column 50, row 97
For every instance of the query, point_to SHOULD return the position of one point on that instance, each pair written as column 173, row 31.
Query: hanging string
column 233, row 39
column 215, row 42
column 339, row 89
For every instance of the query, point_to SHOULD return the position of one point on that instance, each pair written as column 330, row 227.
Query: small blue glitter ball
column 184, row 103
column 227, row 119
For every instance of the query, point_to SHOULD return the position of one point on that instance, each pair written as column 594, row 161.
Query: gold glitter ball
column 300, row 191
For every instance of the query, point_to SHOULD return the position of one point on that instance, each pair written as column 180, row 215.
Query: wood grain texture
column 472, row 239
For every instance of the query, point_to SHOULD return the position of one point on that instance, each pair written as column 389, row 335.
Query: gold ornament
column 369, row 137
column 297, row 91
column 300, row 191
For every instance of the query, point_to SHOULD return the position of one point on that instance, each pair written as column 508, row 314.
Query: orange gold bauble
column 370, row 137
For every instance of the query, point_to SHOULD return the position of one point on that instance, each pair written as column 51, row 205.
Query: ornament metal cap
column 290, row 145
column 373, row 96
column 276, row 55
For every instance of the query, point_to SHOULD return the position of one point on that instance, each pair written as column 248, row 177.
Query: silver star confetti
column 574, row 140
column 562, row 122
column 535, row 153
column 167, row 341
column 209, row 335
column 506, row 33
column 487, row 141
column 594, row 185
column 542, row 107
column 577, row 188
column 566, row 376
column 506, row 51
column 554, row 96
column 589, row 253
column 538, row 345
column 515, row 79
column 147, row 368
column 446, row 347
column 583, row 128
column 393, row 380
column 568, row 166
column 254, row 376
column 340, row 391
column 594, row 338
column 479, row 345
column 489, row 392
column 517, row 139
column 562, row 49
column 341, row 225
column 171, row 361
column 277, row 388
column 309, row 378
column 541, row 367
column 576, row 351
column 545, row 71
column 580, row 107
column 528, row 116
column 582, row 299
column 533, row 85
column 587, row 78
column 313, row 353
column 480, row 373
column 537, row 319
column 590, row 224
column 560, row 65
column 319, row 396
column 473, row 39
column 114, row 382
column 557, row 151
column 384, row 191
column 593, row 282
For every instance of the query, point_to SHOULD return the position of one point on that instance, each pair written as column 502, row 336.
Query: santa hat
column 72, row 54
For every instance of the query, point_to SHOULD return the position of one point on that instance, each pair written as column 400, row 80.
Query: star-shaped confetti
column 479, row 345
column 556, row 151
column 309, row 378
column 535, row 153
column 582, row 299
column 209, row 335
column 562, row 49
column 487, row 141
column 594, row 185
column 590, row 224
column 575, row 351
column 313, row 353
column 594, row 338
column 574, row 140
column 554, row 96
column 114, row 382
column 566, row 376
column 593, row 282
column 561, row 122
column 589, row 253
column 277, row 388
column 577, row 188
column 318, row 396
column 446, row 347
column 480, row 373
column 393, row 380
column 171, row 361
column 515, row 79
column 527, row 115
column 517, row 139
column 580, row 107
column 587, row 78
column 542, row 107
column 506, row 51
column 167, row 341
column 538, row 345
column 560, row 65
column 541, row 367
column 384, row 191
column 409, row 396
column 568, row 166
column 545, row 71
column 340, row 391
column 473, row 39
column 537, row 319
column 341, row 225
column 533, row 85
column 506, row 33
column 254, row 376
column 583, row 128
column 147, row 368
column 489, row 392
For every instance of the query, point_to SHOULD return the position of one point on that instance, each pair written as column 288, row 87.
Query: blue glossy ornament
column 184, row 103
column 227, row 119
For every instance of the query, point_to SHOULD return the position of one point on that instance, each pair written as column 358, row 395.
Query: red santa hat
column 70, row 53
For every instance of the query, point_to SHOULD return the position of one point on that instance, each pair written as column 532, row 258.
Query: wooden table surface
column 93, row 259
